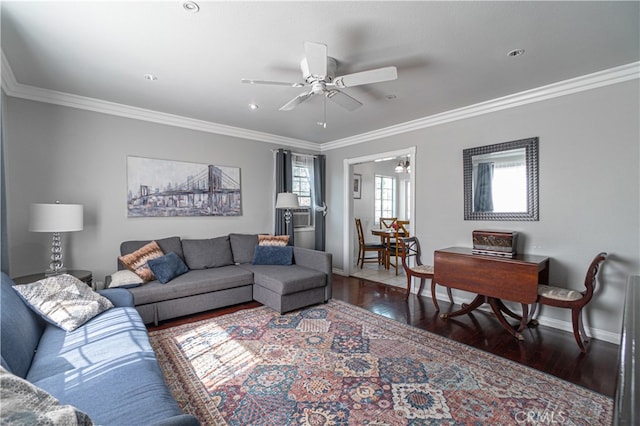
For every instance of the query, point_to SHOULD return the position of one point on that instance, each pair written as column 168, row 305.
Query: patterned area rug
column 337, row 364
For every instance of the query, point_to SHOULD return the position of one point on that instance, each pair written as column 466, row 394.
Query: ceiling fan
column 318, row 72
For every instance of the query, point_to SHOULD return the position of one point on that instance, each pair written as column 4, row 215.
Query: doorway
column 349, row 237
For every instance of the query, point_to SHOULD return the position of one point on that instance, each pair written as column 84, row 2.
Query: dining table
column 386, row 234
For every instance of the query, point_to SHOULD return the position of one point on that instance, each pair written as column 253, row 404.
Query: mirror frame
column 531, row 159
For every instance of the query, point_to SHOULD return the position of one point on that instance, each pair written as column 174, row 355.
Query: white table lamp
column 56, row 218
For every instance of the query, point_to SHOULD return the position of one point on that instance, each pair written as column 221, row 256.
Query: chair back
column 410, row 248
column 387, row 222
column 360, row 231
column 592, row 273
column 401, row 230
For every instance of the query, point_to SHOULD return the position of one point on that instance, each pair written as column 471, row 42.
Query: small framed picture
column 357, row 186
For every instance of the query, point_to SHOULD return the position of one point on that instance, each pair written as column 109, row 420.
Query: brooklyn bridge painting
column 177, row 188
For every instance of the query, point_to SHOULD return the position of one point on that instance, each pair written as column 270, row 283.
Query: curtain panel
column 4, row 250
column 483, row 196
column 284, row 179
column 319, row 165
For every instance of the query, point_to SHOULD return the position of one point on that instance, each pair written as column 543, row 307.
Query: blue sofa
column 106, row 368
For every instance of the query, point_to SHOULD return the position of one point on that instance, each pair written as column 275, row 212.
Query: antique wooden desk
column 493, row 279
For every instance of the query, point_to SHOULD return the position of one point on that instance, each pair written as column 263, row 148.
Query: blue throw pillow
column 167, row 267
column 273, row 255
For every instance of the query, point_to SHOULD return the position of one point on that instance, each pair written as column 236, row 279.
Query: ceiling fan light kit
column 318, row 72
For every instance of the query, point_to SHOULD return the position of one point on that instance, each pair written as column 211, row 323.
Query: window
column 384, row 202
column 509, row 188
column 302, row 184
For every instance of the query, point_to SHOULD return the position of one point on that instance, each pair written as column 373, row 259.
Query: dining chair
column 364, row 247
column 418, row 269
column 387, row 222
column 562, row 297
column 393, row 243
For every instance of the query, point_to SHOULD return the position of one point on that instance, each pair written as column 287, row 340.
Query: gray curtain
column 319, row 191
column 283, row 184
column 4, row 250
column 483, row 198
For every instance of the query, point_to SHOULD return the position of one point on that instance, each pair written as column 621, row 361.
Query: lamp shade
column 55, row 217
column 287, row 200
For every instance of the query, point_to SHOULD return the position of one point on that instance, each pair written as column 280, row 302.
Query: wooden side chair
column 393, row 243
column 561, row 297
column 364, row 248
column 418, row 269
column 387, row 222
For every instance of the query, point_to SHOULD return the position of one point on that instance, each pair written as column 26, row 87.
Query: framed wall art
column 357, row 186
column 164, row 188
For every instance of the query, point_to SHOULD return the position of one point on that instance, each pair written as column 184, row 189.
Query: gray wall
column 589, row 185
column 74, row 156
column 589, row 189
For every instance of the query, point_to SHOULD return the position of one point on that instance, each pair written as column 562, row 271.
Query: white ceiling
column 448, row 55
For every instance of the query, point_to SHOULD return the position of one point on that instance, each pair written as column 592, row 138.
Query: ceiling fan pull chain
column 323, row 123
column 324, row 120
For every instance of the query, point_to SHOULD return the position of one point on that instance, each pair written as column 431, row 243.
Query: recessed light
column 191, row 7
column 516, row 52
column 253, row 106
column 150, row 77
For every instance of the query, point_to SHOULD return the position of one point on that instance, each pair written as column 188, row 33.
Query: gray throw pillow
column 243, row 246
column 207, row 253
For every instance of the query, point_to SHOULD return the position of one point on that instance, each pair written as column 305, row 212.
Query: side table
column 84, row 276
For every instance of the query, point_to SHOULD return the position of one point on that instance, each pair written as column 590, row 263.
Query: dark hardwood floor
column 546, row 349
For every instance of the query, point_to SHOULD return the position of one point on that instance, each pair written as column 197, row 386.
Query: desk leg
column 477, row 302
column 524, row 319
column 495, row 306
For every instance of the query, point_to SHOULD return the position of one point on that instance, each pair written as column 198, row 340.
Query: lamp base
column 53, row 273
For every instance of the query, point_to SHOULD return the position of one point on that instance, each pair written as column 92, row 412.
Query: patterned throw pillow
column 273, row 240
column 125, row 279
column 137, row 261
column 27, row 404
column 63, row 300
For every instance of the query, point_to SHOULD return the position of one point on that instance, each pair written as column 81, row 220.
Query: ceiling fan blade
column 366, row 77
column 344, row 100
column 273, row 83
column 316, row 54
column 296, row 101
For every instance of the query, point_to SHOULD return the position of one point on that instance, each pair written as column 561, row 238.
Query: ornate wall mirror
column 501, row 181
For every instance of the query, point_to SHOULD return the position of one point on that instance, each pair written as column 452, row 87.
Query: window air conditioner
column 301, row 219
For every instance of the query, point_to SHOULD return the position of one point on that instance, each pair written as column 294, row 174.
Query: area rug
column 337, row 364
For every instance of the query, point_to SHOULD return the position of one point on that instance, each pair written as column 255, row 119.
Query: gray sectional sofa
column 222, row 272
column 105, row 368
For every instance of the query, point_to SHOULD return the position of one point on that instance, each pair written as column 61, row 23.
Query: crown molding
column 575, row 85
column 18, row 90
